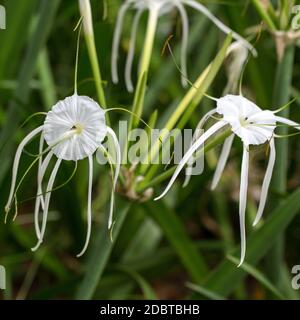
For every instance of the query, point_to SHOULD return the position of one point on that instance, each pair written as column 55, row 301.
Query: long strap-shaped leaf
column 99, row 253
column 176, row 234
column 226, row 277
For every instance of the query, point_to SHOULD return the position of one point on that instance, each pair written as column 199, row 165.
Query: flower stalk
column 279, row 182
column 88, row 29
column 144, row 67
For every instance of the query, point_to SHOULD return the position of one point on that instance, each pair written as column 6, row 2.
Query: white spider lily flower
column 73, row 130
column 157, row 8
column 253, row 126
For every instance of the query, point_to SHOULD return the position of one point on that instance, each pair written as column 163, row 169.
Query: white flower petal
column 116, row 41
column 130, row 55
column 40, row 196
column 253, row 125
column 198, row 6
column 288, row 122
column 243, row 201
column 197, row 134
column 184, row 45
column 88, row 119
column 266, row 182
column 21, row 146
column 116, row 174
column 222, row 161
column 39, row 167
column 47, row 202
column 89, row 208
column 211, row 131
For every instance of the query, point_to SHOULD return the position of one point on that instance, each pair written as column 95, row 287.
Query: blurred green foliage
column 177, row 248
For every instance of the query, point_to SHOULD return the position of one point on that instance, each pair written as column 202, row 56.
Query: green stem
column 167, row 174
column 281, row 96
column 145, row 64
column 90, row 42
column 139, row 96
column 188, row 104
column 48, row 90
column 264, row 14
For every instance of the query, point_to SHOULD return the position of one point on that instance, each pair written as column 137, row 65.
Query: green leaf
column 189, row 102
column 148, row 292
column 259, row 276
column 176, row 234
column 18, row 15
column 100, row 252
column 204, row 292
column 37, row 41
column 226, row 277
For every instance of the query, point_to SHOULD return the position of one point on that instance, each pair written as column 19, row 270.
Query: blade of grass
column 176, row 234
column 37, row 41
column 259, row 276
column 204, row 292
column 148, row 292
column 225, row 278
column 18, row 15
column 264, row 14
column 190, row 101
column 281, row 95
column 100, row 253
column 48, row 89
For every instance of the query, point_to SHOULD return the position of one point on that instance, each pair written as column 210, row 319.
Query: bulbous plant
column 157, row 8
column 253, row 126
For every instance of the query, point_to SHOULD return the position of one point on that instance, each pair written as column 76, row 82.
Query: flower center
column 78, row 128
column 244, row 121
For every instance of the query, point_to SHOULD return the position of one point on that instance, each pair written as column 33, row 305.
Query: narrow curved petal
column 41, row 145
column 198, row 6
column 184, row 45
column 89, row 208
column 222, row 161
column 39, row 196
column 116, row 42
column 47, row 201
column 211, row 131
column 196, row 136
column 130, row 55
column 288, row 122
column 243, row 201
column 116, row 174
column 266, row 182
column 21, row 146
